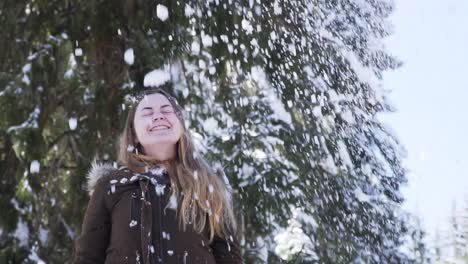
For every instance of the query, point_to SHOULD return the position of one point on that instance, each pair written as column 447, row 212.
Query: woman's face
column 156, row 122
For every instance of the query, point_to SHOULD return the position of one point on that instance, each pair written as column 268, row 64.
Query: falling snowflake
column 162, row 12
column 133, row 223
column 35, row 166
column 72, row 123
column 129, row 56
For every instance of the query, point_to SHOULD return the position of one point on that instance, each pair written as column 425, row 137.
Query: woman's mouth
column 159, row 128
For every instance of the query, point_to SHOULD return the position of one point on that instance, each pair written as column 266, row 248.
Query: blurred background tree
column 283, row 95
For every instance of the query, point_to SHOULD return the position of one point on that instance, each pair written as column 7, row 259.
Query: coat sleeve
column 91, row 245
column 226, row 250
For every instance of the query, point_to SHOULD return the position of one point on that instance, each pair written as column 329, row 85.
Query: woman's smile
column 160, row 130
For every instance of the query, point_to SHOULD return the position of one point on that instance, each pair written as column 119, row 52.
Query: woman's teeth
column 160, row 128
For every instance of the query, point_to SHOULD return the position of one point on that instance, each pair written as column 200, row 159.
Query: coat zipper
column 160, row 229
column 133, row 215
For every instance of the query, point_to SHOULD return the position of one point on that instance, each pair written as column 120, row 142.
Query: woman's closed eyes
column 164, row 111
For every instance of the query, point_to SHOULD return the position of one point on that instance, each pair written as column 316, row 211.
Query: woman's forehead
column 153, row 100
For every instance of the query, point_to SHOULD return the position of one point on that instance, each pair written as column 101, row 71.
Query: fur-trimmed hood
column 97, row 171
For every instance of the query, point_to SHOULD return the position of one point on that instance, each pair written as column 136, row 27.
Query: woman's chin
column 165, row 139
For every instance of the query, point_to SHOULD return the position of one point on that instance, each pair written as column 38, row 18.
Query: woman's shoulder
column 106, row 173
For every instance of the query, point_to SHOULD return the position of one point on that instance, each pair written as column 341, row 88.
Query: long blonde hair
column 199, row 189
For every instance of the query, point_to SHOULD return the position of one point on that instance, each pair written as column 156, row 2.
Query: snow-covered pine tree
column 419, row 253
column 322, row 61
column 457, row 243
column 464, row 229
column 52, row 124
column 437, row 245
column 283, row 94
column 450, row 246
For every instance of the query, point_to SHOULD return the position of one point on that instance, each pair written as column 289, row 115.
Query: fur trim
column 97, row 171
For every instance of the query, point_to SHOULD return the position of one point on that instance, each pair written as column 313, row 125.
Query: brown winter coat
column 126, row 221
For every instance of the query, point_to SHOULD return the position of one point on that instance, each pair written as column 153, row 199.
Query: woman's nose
column 158, row 115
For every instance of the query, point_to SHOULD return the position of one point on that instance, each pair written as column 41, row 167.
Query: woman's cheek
column 140, row 128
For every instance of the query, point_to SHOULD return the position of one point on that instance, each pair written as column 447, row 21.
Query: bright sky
column 430, row 92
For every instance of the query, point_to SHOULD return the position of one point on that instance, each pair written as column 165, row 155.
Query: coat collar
column 99, row 170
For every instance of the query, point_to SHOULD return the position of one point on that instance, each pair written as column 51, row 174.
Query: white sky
column 430, row 92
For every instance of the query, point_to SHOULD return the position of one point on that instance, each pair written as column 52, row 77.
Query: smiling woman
column 126, row 220
column 157, row 128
